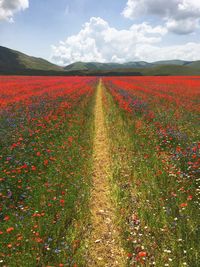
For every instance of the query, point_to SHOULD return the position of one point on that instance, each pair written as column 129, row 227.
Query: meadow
column 47, row 132
column 155, row 125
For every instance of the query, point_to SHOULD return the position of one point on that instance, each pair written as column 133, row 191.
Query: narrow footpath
column 104, row 242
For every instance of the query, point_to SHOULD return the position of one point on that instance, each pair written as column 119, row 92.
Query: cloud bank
column 9, row 7
column 98, row 41
column 179, row 16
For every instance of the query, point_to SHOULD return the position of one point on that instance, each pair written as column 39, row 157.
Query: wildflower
column 70, row 139
column 39, row 240
column 129, row 255
column 62, row 202
column 46, row 162
column 6, row 218
column 33, row 168
column 20, row 237
column 142, row 254
column 10, row 229
column 183, row 205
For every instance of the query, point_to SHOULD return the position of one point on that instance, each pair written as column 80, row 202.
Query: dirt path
column 104, row 245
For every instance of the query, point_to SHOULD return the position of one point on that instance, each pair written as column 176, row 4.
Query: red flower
column 183, row 205
column 6, row 218
column 33, row 168
column 10, row 229
column 24, row 166
column 130, row 255
column 62, row 202
column 70, row 139
column 142, row 254
column 39, row 240
column 46, row 162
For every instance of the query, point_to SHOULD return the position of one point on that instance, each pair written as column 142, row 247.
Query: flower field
column 45, row 147
column 46, row 164
column 158, row 172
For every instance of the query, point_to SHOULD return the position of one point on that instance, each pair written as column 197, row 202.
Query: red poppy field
column 157, row 173
column 46, row 167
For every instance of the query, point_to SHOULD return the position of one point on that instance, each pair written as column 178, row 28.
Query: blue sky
column 46, row 22
column 104, row 30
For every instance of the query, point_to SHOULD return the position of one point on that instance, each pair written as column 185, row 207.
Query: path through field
column 105, row 248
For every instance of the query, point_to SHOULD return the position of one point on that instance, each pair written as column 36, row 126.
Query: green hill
column 14, row 62
column 169, row 70
column 169, row 67
column 93, row 66
column 194, row 64
column 157, row 70
column 176, row 62
column 11, row 61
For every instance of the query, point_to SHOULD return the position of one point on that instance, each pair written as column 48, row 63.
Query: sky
column 65, row 31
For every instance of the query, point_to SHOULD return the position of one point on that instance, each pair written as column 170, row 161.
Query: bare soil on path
column 104, row 242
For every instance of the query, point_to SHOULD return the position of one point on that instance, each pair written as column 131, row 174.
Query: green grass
column 151, row 219
column 44, row 211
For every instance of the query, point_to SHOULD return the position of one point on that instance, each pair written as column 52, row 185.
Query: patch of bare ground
column 104, row 247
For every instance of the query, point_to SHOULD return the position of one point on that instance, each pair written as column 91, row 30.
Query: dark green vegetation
column 96, row 66
column 140, row 68
column 14, row 62
column 93, row 66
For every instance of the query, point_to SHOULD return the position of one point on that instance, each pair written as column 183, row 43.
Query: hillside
column 93, row 66
column 195, row 64
column 17, row 63
column 169, row 67
column 161, row 70
column 14, row 61
column 168, row 70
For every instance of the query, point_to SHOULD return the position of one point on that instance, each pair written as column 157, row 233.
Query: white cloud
column 189, row 51
column 181, row 16
column 182, row 26
column 97, row 41
column 9, row 7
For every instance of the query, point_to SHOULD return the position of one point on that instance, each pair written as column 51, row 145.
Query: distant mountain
column 93, row 66
column 162, row 70
column 171, row 62
column 14, row 61
column 194, row 64
column 168, row 67
column 170, row 70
